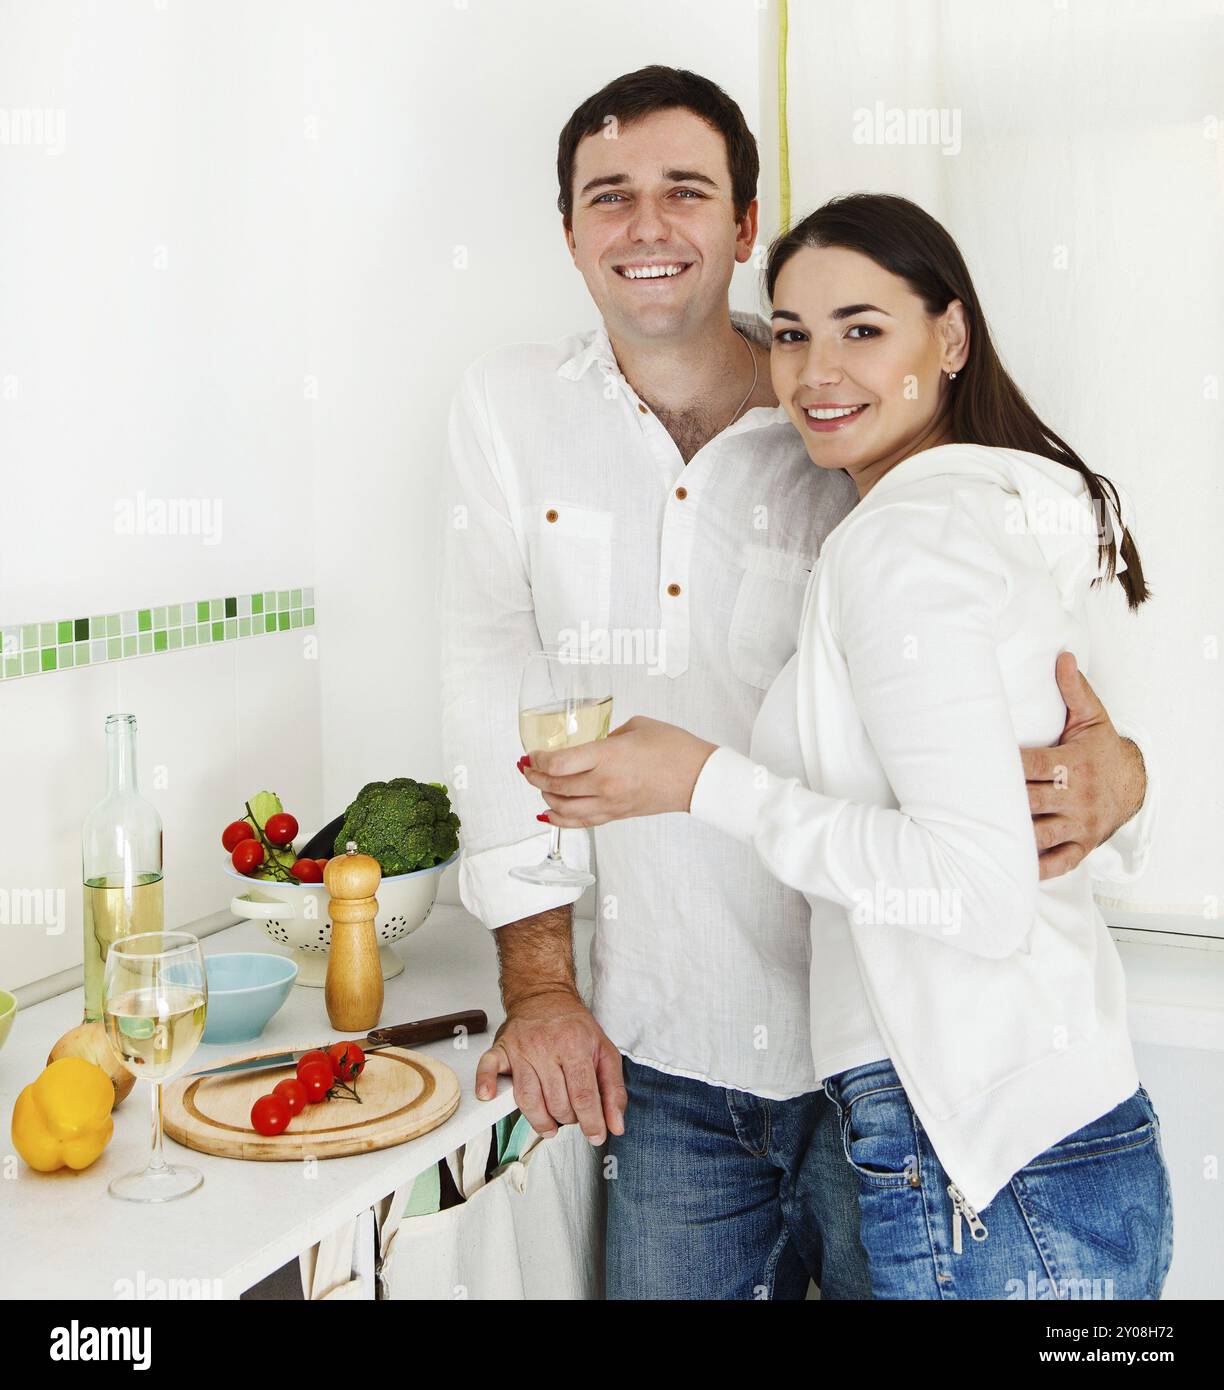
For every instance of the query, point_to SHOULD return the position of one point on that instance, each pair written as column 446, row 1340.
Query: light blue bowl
column 245, row 989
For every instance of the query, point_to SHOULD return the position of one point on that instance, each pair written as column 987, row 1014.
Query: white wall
column 238, row 281
column 153, row 306
column 153, row 325
column 1082, row 182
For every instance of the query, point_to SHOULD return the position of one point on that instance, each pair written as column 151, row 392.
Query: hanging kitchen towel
column 517, row 1138
column 426, row 1194
column 327, row 1268
column 466, row 1252
column 468, row 1163
column 501, row 1134
column 432, row 1191
column 559, row 1211
column 535, row 1230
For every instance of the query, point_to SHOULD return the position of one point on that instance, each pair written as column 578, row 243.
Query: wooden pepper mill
column 354, row 988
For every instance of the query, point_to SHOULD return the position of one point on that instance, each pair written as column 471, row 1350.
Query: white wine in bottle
column 112, row 910
column 121, row 861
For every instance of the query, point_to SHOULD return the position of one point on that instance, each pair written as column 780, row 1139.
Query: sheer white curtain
column 1076, row 152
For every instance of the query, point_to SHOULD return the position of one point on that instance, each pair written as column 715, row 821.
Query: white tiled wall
column 238, row 281
column 215, row 725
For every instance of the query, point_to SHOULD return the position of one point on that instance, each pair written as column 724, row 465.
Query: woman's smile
column 827, row 417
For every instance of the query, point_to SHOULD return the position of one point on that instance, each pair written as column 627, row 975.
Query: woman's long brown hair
column 985, row 405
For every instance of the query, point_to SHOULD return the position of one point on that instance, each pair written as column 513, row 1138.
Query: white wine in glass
column 563, row 701
column 155, row 999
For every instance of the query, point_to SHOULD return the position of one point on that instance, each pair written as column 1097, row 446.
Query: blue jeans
column 719, row 1194
column 1091, row 1217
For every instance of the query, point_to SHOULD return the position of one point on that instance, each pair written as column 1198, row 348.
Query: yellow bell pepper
column 64, row 1118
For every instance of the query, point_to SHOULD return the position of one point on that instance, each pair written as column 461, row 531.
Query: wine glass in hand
column 563, row 701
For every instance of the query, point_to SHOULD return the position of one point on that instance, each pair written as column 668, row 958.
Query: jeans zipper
column 960, row 1207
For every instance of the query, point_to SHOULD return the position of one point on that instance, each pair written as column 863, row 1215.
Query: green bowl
column 8, row 1012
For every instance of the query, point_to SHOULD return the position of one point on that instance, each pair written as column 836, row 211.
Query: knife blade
column 394, row 1035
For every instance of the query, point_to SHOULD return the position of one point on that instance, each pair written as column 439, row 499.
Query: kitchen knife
column 395, row 1035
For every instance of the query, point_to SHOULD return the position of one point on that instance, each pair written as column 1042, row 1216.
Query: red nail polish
column 543, row 816
column 526, row 759
column 520, row 763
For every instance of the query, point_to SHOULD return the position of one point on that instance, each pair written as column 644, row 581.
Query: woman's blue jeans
column 1090, row 1218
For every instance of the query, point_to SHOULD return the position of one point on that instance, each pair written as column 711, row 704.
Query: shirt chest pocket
column 570, row 555
column 765, row 620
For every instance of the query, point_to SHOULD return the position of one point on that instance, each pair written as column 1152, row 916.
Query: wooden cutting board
column 403, row 1094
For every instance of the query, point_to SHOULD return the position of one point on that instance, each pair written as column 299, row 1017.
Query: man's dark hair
column 656, row 88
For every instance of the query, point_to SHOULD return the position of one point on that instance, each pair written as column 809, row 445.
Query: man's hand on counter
column 564, row 1067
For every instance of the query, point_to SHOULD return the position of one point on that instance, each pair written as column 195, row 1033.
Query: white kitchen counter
column 64, row 1236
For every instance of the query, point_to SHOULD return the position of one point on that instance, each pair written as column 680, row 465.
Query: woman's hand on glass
column 643, row 768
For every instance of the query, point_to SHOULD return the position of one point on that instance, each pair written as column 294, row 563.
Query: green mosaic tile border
column 35, row 649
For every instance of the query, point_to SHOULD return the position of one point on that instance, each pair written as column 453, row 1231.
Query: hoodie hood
column 1052, row 504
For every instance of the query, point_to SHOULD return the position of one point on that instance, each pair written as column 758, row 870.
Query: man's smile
column 651, row 270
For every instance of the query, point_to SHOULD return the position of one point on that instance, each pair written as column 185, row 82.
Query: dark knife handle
column 429, row 1029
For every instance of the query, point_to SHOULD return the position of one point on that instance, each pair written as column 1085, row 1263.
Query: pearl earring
column 951, row 376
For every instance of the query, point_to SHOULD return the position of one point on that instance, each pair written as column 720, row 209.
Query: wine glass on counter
column 564, row 700
column 155, row 997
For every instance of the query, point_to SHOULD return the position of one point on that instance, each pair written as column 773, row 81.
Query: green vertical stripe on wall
column 784, row 189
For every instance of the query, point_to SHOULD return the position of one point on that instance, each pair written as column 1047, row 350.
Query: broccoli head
column 405, row 825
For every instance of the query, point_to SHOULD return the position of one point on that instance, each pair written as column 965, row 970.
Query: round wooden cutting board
column 403, row 1094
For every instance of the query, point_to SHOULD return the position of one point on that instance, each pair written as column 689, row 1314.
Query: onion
column 89, row 1040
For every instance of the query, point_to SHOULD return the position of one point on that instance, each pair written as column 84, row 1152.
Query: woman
column 969, row 1019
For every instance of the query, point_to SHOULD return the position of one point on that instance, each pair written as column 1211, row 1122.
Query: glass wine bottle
column 121, row 861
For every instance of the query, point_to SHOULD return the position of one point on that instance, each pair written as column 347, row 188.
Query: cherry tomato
column 316, row 1081
column 247, row 855
column 347, row 1060
column 307, row 871
column 322, row 863
column 270, row 1115
column 281, row 828
column 293, row 1093
column 310, row 1058
column 234, row 833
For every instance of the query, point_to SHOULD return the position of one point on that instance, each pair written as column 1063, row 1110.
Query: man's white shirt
column 572, row 520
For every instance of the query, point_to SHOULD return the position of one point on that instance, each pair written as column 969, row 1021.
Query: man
column 639, row 489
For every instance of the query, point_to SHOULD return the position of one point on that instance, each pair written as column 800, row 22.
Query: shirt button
column 674, row 590
column 551, row 514
column 643, row 409
column 682, row 493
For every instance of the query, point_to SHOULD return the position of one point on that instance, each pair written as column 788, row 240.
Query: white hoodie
column 926, row 659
